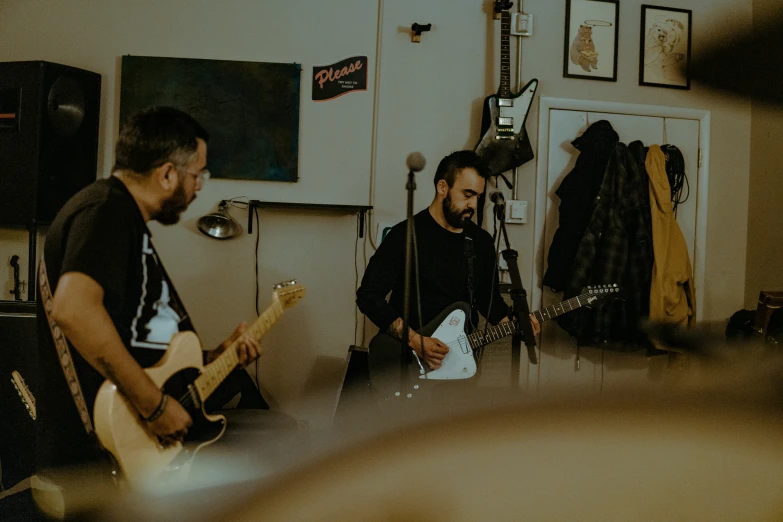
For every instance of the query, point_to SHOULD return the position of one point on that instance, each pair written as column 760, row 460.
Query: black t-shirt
column 101, row 233
column 443, row 274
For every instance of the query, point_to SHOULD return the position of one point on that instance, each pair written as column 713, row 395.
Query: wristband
column 159, row 410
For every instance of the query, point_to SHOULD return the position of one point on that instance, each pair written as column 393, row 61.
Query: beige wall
column 430, row 100
column 765, row 219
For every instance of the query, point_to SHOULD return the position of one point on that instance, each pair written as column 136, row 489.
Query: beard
column 454, row 216
column 173, row 207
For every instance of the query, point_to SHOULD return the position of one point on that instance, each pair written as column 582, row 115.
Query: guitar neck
column 216, row 372
column 505, row 55
column 493, row 333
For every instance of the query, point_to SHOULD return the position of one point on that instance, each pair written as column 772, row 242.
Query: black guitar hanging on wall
column 504, row 142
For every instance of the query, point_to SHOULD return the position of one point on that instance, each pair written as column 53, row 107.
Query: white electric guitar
column 139, row 454
column 449, row 328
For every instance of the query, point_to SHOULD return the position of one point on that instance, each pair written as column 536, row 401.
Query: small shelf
column 346, row 209
column 311, row 206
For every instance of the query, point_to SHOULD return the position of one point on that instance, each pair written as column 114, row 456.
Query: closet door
column 559, row 366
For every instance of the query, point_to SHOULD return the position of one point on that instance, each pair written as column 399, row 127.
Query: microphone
column 415, row 162
column 500, row 204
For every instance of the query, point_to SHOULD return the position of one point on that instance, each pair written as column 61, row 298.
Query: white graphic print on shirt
column 156, row 321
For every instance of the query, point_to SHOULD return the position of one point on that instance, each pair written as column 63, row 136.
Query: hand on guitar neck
column 533, row 322
column 248, row 349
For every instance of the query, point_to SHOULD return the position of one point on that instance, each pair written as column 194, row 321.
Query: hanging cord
column 258, row 238
column 675, row 171
column 364, row 268
column 356, row 280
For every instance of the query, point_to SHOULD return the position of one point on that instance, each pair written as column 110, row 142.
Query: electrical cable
column 364, row 254
column 356, row 279
column 258, row 313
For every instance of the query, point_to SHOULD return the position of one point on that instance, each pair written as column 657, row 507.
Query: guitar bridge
column 463, row 344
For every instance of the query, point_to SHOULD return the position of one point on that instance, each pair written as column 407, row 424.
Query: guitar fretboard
column 493, row 333
column 505, row 55
column 218, row 370
column 550, row 312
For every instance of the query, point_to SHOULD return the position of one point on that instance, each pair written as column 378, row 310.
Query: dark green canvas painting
column 250, row 109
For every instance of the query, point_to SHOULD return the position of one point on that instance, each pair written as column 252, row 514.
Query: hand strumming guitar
column 430, row 349
column 172, row 423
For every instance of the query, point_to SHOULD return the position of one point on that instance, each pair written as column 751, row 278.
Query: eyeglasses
column 201, row 176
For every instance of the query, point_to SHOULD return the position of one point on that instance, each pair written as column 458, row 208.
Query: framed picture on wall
column 665, row 51
column 591, row 34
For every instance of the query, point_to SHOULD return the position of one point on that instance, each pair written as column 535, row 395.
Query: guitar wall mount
column 417, row 29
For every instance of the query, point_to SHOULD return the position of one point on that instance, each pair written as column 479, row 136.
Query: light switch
column 516, row 211
column 523, row 24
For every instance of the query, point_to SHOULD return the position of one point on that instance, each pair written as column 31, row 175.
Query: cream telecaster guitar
column 182, row 375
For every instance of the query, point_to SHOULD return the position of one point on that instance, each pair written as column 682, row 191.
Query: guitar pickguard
column 459, row 362
column 516, row 113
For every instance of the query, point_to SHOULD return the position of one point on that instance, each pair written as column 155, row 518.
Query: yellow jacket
column 672, row 293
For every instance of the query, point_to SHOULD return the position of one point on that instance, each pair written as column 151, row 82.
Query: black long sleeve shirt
column 443, row 275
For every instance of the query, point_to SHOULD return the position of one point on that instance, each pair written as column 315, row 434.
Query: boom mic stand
column 415, row 163
column 519, row 297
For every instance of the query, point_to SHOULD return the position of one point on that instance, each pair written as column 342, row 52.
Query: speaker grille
column 48, row 138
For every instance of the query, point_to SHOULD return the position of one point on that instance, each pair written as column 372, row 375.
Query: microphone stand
column 406, row 310
column 519, row 297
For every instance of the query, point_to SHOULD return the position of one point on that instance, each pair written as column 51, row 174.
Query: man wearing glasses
column 111, row 295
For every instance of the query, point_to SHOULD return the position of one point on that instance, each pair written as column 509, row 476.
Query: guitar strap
column 63, row 352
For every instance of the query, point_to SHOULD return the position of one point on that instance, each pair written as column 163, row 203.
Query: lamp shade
column 219, row 225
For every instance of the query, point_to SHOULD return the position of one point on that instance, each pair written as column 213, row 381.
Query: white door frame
column 548, row 104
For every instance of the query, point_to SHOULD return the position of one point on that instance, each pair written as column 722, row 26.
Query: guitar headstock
column 24, row 393
column 596, row 292
column 502, row 5
column 288, row 293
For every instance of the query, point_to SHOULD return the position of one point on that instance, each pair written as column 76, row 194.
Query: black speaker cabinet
column 18, row 368
column 48, row 138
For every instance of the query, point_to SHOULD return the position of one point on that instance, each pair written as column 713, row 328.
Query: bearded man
column 441, row 265
column 112, row 297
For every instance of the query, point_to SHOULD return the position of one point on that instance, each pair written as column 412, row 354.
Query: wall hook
column 417, row 30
